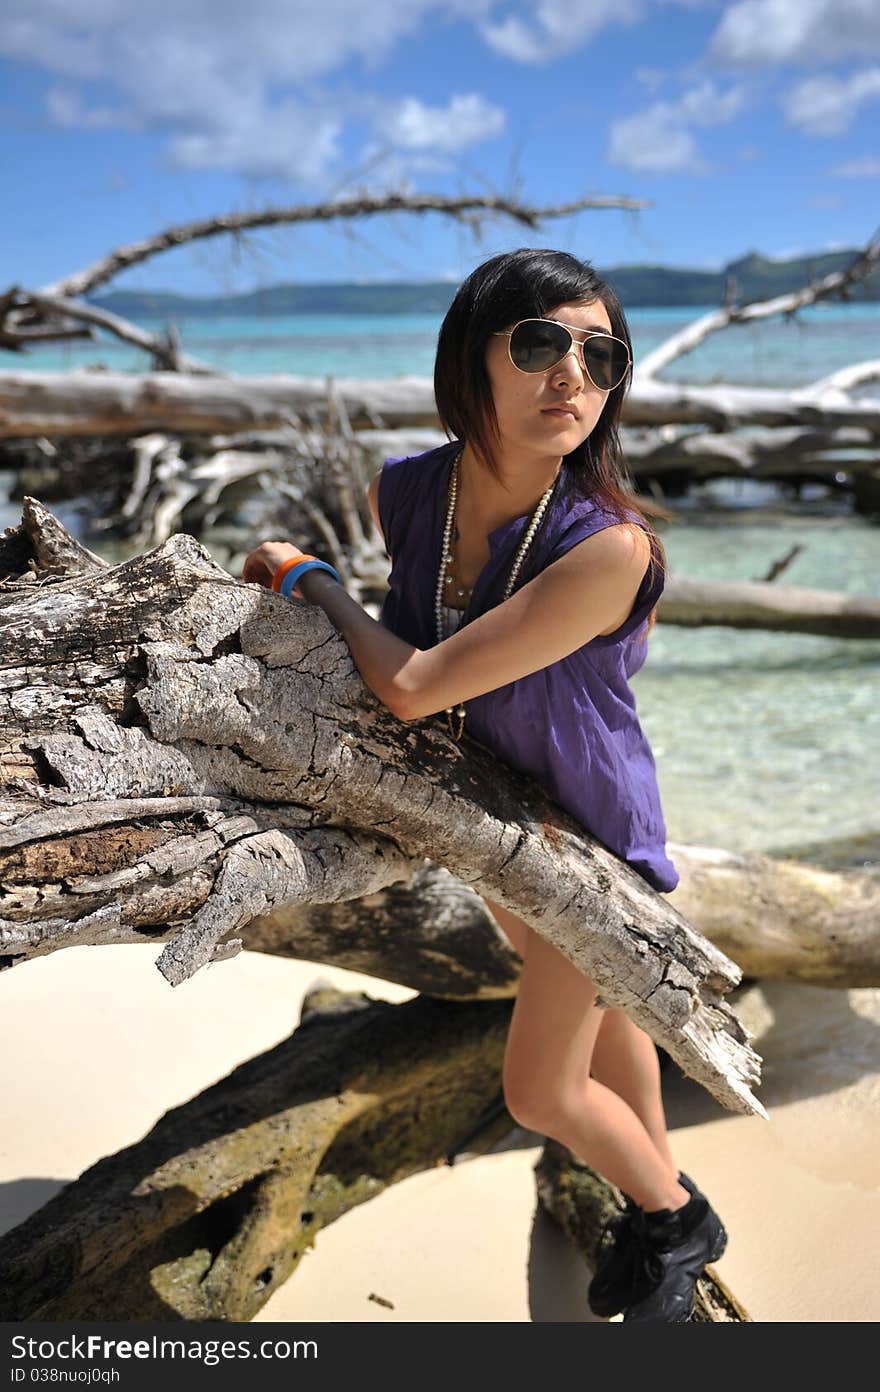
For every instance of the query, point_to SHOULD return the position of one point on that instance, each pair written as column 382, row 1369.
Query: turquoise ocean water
column 779, row 352
column 763, row 741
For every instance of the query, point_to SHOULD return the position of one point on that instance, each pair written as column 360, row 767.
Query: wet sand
column 102, row 1046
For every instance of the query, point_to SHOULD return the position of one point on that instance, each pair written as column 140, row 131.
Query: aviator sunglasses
column 534, row 345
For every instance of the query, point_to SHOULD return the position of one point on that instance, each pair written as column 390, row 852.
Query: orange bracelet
column 287, row 565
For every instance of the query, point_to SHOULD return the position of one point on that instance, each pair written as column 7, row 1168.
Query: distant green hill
column 757, row 277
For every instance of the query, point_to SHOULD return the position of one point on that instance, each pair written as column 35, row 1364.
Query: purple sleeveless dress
column 572, row 725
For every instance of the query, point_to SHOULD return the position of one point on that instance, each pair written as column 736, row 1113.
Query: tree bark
column 165, row 678
column 429, row 932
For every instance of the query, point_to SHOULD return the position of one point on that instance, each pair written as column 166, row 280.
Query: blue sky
column 748, row 126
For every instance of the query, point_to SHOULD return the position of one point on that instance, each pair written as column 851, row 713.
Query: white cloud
column 554, row 28
column 867, row 168
column 64, row 107
column 827, row 105
column 796, row 31
column 660, row 140
column 230, row 85
column 656, row 142
column 411, row 125
column 537, row 31
column 705, row 106
column 793, row 252
column 411, row 137
column 289, row 140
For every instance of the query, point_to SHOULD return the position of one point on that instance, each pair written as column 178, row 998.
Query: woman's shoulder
column 580, row 517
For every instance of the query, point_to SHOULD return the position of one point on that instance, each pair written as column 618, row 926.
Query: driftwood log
column 211, row 1212
column 778, row 919
column 782, row 919
column 164, row 678
column 107, row 403
column 761, row 604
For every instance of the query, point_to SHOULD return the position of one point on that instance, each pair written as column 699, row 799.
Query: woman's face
column 523, row 400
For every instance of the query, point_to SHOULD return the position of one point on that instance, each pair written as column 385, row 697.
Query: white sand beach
column 98, row 1046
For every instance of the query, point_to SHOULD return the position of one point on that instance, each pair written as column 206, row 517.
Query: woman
column 523, row 585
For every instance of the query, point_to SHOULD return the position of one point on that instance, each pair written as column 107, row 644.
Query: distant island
column 757, row 278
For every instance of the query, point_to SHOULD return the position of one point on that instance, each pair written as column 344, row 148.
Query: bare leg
column 547, row 1082
column 625, row 1060
column 624, row 1057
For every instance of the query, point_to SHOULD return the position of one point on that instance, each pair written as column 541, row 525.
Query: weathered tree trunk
column 432, row 933
column 165, row 678
column 209, row 1214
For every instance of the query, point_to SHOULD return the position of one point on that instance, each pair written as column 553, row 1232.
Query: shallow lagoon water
column 765, row 740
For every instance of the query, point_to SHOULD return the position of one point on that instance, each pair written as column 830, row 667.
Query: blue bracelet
column 292, row 575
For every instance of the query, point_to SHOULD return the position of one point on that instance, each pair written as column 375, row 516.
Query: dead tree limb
column 52, row 311
column 750, row 604
column 80, row 402
column 528, row 215
column 165, row 352
column 862, row 265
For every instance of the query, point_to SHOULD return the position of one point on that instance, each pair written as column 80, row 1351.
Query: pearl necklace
column 447, row 577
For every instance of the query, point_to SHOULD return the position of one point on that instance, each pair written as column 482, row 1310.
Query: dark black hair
column 524, row 284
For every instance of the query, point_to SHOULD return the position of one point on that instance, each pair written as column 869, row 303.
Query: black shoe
column 612, row 1286
column 675, row 1246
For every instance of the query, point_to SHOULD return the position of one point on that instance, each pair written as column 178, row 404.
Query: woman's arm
column 563, row 607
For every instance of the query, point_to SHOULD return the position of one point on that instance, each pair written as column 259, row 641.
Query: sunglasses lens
column 537, row 344
column 607, row 360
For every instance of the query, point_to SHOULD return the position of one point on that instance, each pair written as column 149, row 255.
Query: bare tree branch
column 123, row 258
column 862, row 265
column 21, row 310
column 164, row 351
